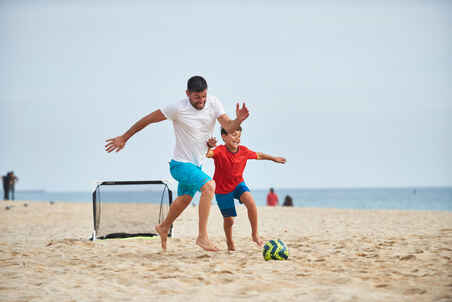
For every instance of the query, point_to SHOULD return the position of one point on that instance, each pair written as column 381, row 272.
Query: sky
column 356, row 94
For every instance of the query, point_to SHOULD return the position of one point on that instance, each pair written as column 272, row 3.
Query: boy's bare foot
column 258, row 240
column 231, row 245
column 206, row 245
column 163, row 235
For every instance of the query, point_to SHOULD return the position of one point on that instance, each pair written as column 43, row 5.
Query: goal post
column 123, row 209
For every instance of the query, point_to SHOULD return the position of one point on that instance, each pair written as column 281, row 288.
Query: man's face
column 197, row 99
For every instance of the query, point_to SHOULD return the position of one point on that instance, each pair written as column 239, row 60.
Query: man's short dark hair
column 224, row 132
column 196, row 84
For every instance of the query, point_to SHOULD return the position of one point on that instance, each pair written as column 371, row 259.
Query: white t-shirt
column 193, row 128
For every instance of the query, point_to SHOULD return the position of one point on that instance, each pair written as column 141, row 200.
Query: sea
column 422, row 198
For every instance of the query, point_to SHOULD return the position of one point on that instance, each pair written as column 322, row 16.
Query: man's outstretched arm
column 117, row 143
column 232, row 125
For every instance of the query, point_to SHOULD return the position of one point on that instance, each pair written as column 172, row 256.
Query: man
column 193, row 121
column 272, row 198
column 5, row 179
column 12, row 184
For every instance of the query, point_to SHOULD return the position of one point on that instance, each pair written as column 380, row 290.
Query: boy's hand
column 212, row 142
column 280, row 160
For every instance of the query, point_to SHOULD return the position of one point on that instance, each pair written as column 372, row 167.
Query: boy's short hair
column 224, row 132
column 196, row 84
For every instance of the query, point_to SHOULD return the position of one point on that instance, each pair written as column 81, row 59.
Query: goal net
column 124, row 209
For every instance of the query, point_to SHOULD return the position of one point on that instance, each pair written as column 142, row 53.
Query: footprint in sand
column 223, row 272
column 303, row 275
column 203, row 256
column 415, row 291
column 407, row 257
column 382, row 285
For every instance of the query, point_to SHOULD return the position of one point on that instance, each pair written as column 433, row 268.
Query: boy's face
column 232, row 140
column 197, row 99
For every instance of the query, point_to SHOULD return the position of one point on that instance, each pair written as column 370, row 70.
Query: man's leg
column 177, row 207
column 4, row 187
column 207, row 193
column 247, row 199
column 227, row 224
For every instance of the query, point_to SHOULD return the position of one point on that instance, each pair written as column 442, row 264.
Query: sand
column 335, row 255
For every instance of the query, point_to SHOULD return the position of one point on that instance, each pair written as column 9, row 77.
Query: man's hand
column 280, row 160
column 241, row 113
column 115, row 144
column 212, row 142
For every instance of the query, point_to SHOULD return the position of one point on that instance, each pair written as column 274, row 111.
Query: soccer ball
column 275, row 250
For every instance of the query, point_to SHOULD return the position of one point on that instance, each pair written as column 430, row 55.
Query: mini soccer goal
column 123, row 209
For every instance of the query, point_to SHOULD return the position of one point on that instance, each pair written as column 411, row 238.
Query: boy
column 230, row 161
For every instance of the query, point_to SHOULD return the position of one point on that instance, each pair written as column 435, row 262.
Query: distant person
column 5, row 180
column 12, row 183
column 272, row 198
column 194, row 119
column 288, row 202
column 230, row 161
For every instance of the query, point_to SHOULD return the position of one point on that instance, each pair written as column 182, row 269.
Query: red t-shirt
column 229, row 167
column 272, row 199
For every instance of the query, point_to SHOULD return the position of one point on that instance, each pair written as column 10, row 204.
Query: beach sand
column 335, row 255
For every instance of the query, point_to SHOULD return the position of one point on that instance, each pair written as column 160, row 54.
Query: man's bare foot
column 163, row 235
column 258, row 240
column 206, row 245
column 231, row 245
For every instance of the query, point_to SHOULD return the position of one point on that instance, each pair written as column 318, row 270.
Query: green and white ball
column 275, row 250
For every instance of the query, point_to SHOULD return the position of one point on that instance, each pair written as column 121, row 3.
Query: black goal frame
column 127, row 182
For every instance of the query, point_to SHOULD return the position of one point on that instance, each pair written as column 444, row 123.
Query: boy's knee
column 209, row 187
column 247, row 199
column 228, row 221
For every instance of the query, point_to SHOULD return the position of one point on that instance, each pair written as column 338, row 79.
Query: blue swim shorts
column 226, row 201
column 190, row 177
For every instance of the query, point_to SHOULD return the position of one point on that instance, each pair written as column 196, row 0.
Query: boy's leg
column 247, row 199
column 227, row 208
column 176, row 208
column 227, row 224
column 207, row 193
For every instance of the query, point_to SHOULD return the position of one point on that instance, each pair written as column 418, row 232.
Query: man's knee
column 208, row 187
column 184, row 199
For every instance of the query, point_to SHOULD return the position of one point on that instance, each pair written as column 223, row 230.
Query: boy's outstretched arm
column 211, row 143
column 276, row 159
column 117, row 143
